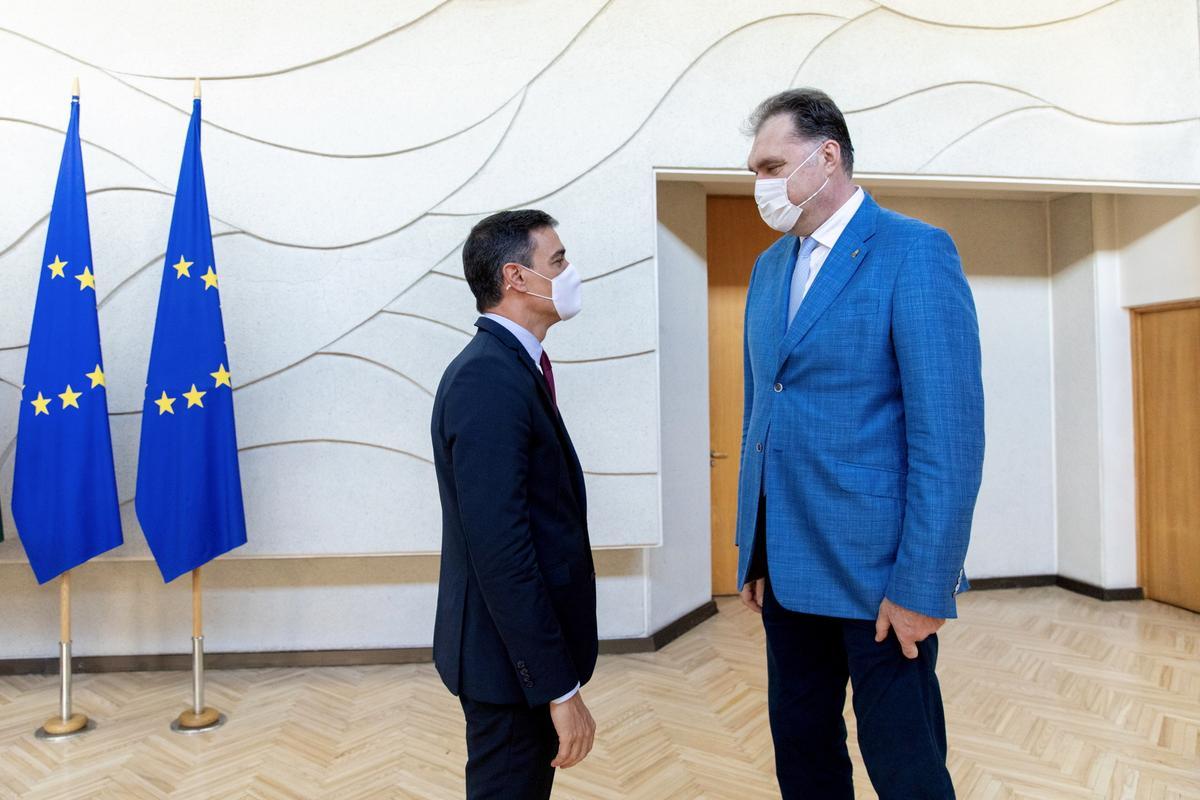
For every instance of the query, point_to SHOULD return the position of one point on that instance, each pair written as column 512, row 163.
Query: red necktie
column 548, row 373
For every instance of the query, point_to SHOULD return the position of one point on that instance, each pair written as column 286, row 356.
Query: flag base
column 67, row 724
column 57, row 729
column 191, row 722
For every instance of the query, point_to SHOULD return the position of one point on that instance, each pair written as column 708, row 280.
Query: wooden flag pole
column 67, row 723
column 199, row 717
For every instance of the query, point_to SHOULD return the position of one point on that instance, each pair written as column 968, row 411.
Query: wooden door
column 1166, row 364
column 736, row 236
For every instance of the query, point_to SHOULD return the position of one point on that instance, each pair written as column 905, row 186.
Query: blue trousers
column 897, row 706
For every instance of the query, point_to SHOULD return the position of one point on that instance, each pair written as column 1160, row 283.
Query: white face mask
column 776, row 209
column 567, row 291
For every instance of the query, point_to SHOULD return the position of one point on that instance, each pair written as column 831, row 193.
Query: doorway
column 1014, row 530
column 736, row 236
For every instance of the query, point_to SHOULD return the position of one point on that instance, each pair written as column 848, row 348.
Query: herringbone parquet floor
column 1049, row 695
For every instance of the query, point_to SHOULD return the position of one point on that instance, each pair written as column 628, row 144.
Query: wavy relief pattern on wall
column 346, row 163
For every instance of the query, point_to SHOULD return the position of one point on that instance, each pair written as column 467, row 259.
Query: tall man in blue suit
column 862, row 449
column 515, row 632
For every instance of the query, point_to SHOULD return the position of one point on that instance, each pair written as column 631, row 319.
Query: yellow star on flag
column 86, row 279
column 222, row 375
column 181, row 269
column 193, row 397
column 41, row 405
column 70, row 399
column 97, row 377
column 210, row 279
column 56, row 268
column 165, row 404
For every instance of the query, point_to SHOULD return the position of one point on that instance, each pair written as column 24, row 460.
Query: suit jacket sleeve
column 747, row 376
column 487, row 426
column 747, row 365
column 936, row 338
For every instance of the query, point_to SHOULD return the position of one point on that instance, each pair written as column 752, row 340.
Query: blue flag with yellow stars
column 64, row 487
column 189, row 490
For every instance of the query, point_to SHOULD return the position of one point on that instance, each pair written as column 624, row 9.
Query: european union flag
column 189, row 490
column 64, row 486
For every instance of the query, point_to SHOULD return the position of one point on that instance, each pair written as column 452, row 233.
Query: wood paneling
column 1166, row 359
column 736, row 237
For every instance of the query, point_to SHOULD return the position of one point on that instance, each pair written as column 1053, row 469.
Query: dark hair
column 814, row 116
column 495, row 241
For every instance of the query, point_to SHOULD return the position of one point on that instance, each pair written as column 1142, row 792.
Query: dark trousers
column 509, row 750
column 897, row 705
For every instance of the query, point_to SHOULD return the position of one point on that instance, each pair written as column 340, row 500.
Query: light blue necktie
column 800, row 275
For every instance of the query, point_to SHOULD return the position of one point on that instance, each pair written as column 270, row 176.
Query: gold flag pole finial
column 75, row 87
column 196, row 89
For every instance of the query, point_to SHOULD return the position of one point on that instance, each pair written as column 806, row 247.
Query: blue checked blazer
column 863, row 427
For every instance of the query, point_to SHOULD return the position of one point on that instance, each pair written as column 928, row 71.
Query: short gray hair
column 814, row 115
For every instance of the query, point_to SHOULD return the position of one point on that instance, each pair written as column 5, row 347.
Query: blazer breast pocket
column 877, row 481
column 861, row 304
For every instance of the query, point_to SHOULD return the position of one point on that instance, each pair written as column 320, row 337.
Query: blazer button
column 778, row 387
column 758, row 447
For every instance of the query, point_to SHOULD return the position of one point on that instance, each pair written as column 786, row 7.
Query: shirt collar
column 527, row 339
column 831, row 229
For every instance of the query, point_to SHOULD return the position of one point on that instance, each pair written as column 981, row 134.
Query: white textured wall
column 349, row 149
column 1159, row 242
column 1014, row 517
column 1076, row 392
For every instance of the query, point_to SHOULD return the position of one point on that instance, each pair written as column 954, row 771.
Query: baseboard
column 663, row 637
column 1099, row 592
column 1015, row 582
column 321, row 658
column 1070, row 584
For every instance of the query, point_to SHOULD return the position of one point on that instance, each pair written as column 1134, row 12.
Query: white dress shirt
column 534, row 348
column 828, row 234
column 527, row 339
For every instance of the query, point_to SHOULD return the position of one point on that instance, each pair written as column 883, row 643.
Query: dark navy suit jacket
column 516, row 609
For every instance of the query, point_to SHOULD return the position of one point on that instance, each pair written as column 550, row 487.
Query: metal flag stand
column 199, row 718
column 67, row 724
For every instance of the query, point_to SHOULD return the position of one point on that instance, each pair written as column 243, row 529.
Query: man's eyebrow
column 560, row 252
column 762, row 162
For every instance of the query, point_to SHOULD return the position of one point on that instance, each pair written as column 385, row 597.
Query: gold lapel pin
column 854, row 254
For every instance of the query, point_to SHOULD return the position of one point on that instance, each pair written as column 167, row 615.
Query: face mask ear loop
column 801, row 164
column 540, row 275
column 817, row 192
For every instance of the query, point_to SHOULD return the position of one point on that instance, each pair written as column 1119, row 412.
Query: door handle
column 713, row 454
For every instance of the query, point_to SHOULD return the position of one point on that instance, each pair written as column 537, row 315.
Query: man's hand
column 910, row 626
column 576, row 731
column 752, row 594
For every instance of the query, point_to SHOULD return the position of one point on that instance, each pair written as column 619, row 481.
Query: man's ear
column 512, row 275
column 833, row 157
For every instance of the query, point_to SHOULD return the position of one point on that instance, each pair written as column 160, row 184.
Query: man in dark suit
column 515, row 636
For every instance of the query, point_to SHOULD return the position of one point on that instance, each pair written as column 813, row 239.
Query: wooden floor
column 1048, row 694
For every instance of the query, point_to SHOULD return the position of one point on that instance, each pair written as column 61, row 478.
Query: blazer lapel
column 850, row 250
column 564, row 438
